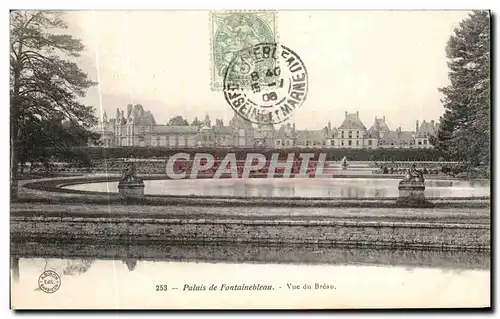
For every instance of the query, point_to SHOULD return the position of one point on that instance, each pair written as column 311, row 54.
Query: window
column 370, row 142
column 342, row 143
column 342, row 134
column 357, row 134
column 425, row 142
column 350, row 142
column 357, row 142
column 278, row 142
column 350, row 134
column 419, row 142
column 287, row 142
column 333, row 142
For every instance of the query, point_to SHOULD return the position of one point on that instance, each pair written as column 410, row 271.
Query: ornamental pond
column 296, row 187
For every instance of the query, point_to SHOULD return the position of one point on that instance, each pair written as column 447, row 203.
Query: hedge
column 332, row 154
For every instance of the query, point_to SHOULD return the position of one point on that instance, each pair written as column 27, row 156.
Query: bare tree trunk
column 14, row 163
column 14, row 130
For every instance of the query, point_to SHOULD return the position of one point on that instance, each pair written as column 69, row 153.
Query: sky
column 379, row 63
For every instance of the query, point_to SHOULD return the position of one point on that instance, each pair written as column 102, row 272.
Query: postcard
column 250, row 159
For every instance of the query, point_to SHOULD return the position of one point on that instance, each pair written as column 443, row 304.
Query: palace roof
column 352, row 122
column 379, row 125
column 426, row 129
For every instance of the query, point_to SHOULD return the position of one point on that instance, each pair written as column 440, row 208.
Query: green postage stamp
column 232, row 31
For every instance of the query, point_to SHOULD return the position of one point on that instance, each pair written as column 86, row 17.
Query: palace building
column 138, row 128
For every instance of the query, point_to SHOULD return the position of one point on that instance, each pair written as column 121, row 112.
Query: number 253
column 161, row 287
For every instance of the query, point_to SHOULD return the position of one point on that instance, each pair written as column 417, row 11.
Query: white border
column 183, row 5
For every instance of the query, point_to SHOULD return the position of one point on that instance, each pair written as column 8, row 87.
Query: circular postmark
column 265, row 83
column 49, row 281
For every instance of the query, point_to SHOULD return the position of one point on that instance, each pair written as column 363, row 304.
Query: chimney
column 357, row 114
column 129, row 110
column 383, row 118
column 346, row 114
column 416, row 130
column 329, row 126
column 293, row 126
column 432, row 123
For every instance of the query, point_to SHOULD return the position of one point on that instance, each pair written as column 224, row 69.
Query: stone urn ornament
column 130, row 186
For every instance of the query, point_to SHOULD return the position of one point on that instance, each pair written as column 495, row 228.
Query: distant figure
column 343, row 163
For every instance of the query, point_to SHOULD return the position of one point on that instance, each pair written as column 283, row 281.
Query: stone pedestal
column 411, row 192
column 131, row 189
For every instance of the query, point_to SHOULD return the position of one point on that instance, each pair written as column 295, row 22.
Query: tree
column 196, row 122
column 41, row 140
column 178, row 121
column 464, row 131
column 46, row 85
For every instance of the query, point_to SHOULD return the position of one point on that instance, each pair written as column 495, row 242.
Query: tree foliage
column 178, row 121
column 464, row 131
column 196, row 122
column 46, row 87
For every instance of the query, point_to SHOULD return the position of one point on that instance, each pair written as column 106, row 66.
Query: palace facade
column 138, row 127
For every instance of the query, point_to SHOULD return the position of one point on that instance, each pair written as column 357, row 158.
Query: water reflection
column 79, row 255
column 118, row 275
column 336, row 187
column 14, row 266
column 131, row 263
column 111, row 283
